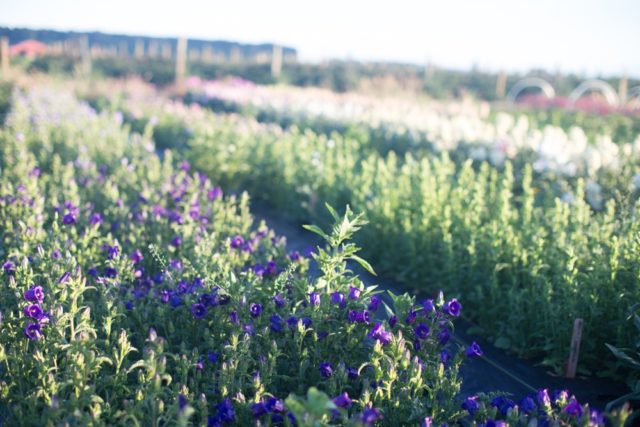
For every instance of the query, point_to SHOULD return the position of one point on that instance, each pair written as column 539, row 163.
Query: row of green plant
column 135, row 293
column 527, row 262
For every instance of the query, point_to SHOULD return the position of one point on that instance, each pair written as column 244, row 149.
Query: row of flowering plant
column 133, row 292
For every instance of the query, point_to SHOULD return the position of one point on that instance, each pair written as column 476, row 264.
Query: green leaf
column 316, row 229
column 364, row 264
column 332, row 211
column 503, row 343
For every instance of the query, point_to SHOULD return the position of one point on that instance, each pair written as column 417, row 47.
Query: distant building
column 28, row 48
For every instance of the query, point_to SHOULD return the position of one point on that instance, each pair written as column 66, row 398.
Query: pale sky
column 583, row 36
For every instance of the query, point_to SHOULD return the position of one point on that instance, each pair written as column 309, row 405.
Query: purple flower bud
column 411, row 317
column 274, row 405
column 214, row 193
column 8, row 268
column 258, row 410
column 471, row 405
column 69, row 219
column 573, row 408
column 374, row 303
column 393, row 320
column 65, row 276
column 314, row 298
column 527, row 405
column 339, row 299
column 352, row 373
column 445, row 356
column 427, row 306
column 542, row 396
column 176, row 241
column 136, row 256
column 444, row 336
column 233, row 317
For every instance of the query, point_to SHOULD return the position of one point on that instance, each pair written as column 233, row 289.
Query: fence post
column 4, row 56
column 276, row 61
column 181, row 64
column 574, row 354
column 623, row 88
column 501, row 85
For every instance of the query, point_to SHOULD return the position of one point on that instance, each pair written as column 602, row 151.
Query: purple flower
column 306, row 322
column 596, row 418
column 276, row 323
column 358, row 317
column 33, row 331
column 213, row 356
column 175, row 264
column 176, row 241
column 370, row 415
column 94, row 219
column 427, row 306
column 274, row 405
column 233, row 317
column 354, row 293
column 503, row 404
column 292, row 321
column 224, row 411
column 527, row 405
column 314, row 298
column 494, row 423
column 255, row 309
column 421, row 331
column 393, row 320
column 237, row 242
column 339, row 299
column 34, row 311
column 258, row 409
column 69, row 219
column 374, row 303
column 473, row 350
column 471, row 405
column 259, row 270
column 110, row 272
column 214, row 193
column 542, row 397
column 411, row 317
column 129, row 305
column 136, row 256
column 444, row 336
column 452, row 308
column 182, row 402
column 8, row 268
column 378, row 333
column 279, row 300
column 272, row 268
column 342, row 400
column 573, row 408
column 175, row 301
column 352, row 373
column 294, row 256
column 445, row 356
column 427, row 422
column 34, row 294
column 326, row 370
column 198, row 310
column 200, row 364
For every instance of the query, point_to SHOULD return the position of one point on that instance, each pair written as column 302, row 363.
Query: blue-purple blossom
column 370, row 416
column 339, row 299
column 258, row 409
column 343, row 400
column 326, row 370
column 444, row 336
column 379, row 334
column 393, row 320
column 276, row 323
column 9, row 268
column 136, row 256
column 452, row 308
column 34, row 294
column 34, row 311
column 445, row 356
column 374, row 303
column 214, row 193
column 503, row 404
column 279, row 300
column 314, row 298
column 354, row 293
column 473, row 350
column 69, row 218
column 237, row 242
column 255, row 309
column 471, row 405
column 95, row 219
column 33, row 331
column 427, row 306
column 421, row 331
column 352, row 373
column 274, row 405
column 65, row 276
column 527, row 405
column 573, row 409
column 213, row 356
column 198, row 310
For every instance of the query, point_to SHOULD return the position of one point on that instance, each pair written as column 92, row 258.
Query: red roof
column 29, row 48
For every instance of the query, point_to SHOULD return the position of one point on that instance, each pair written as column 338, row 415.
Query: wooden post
column 139, row 49
column 85, row 55
column 236, row 56
column 276, row 61
column 123, row 49
column 4, row 56
column 574, row 354
column 501, row 85
column 181, row 65
column 166, row 51
column 207, row 54
column 623, row 88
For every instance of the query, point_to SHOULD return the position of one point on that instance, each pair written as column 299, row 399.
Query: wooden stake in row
column 574, row 353
column 4, row 56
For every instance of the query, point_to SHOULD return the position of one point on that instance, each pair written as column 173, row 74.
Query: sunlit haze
column 585, row 37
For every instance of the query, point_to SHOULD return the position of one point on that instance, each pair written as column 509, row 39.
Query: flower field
column 136, row 288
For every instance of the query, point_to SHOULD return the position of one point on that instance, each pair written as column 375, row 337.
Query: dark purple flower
column 326, row 370
column 314, row 298
column 129, row 305
column 338, row 298
column 573, row 408
column 427, row 422
column 411, row 317
column 445, row 356
column 370, row 416
column 596, row 418
column 494, row 423
column 452, row 308
column 110, row 272
column 213, row 356
column 542, row 397
column 225, row 412
column 354, row 293
column 8, row 268
column 258, row 409
column 279, row 300
column 248, row 329
column 175, row 264
column 271, row 269
column 182, row 402
column 164, row 296
column 503, row 404
column 294, row 256
column 198, row 310
column 393, row 320
column 374, row 303
column 136, row 256
column 471, row 405
column 237, row 242
column 214, row 193
column 95, row 219
column 113, row 251
column 276, row 323
column 176, row 241
column 421, row 331
column 69, row 219
column 209, row 300
column 34, row 294
column 175, row 300
column 200, row 364
column 378, row 333
column 33, row 331
column 444, row 336
column 233, row 317
column 274, row 405
column 255, row 309
column 342, row 400
column 352, row 373
column 306, row 322
column 473, row 350
column 427, row 306
column 34, row 311
column 527, row 405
